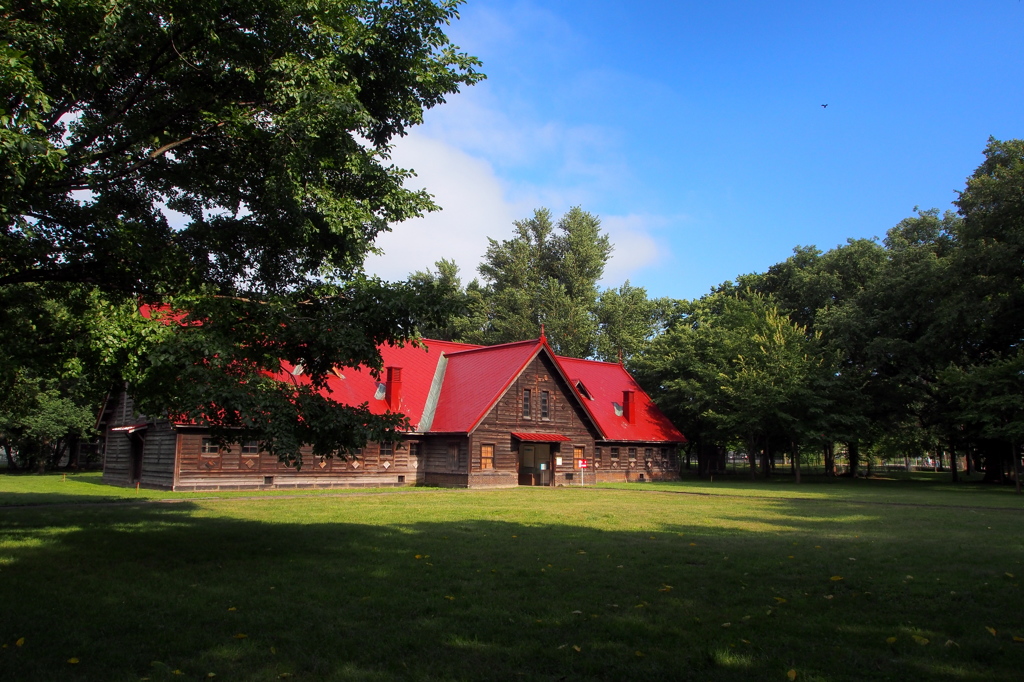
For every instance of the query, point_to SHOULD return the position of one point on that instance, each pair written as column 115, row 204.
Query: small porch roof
column 540, row 437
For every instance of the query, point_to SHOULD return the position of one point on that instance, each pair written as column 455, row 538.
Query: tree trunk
column 953, row 465
column 11, row 464
column 752, row 458
column 830, row 460
column 767, row 459
column 795, row 460
column 74, row 450
column 1016, row 465
column 854, row 454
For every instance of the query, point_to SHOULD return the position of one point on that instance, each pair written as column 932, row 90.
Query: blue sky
column 696, row 131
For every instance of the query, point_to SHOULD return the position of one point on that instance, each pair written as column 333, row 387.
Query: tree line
column 906, row 346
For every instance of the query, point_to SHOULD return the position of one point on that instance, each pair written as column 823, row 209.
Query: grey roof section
column 432, row 397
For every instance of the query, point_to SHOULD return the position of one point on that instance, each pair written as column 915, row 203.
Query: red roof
column 472, row 379
column 605, row 382
column 475, row 380
column 450, row 387
column 355, row 386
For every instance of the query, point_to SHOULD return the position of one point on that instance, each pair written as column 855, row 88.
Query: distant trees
column 547, row 274
column 730, row 368
column 911, row 344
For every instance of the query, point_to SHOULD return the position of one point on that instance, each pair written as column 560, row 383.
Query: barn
column 481, row 416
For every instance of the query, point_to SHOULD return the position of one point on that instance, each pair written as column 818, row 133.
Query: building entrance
column 535, row 464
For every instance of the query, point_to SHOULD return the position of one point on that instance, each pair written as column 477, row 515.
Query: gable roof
column 449, row 387
column 475, row 380
column 605, row 383
column 355, row 386
column 468, row 380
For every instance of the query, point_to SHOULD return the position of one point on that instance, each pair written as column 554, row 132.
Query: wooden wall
column 157, row 443
column 565, row 417
column 117, row 453
column 231, row 469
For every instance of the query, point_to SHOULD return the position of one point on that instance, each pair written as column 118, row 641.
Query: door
column 135, row 457
column 526, row 464
column 535, row 464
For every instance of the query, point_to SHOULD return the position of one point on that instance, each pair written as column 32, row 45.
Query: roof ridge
column 497, row 347
column 596, row 362
column 469, row 346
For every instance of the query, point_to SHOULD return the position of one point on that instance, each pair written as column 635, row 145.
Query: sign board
column 583, row 464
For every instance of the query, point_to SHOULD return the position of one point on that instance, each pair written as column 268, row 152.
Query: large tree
column 547, row 274
column 731, row 369
column 230, row 160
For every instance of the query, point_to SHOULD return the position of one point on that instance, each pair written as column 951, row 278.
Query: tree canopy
column 231, row 161
column 919, row 335
column 548, row 274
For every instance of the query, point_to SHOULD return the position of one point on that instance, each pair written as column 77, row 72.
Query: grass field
column 905, row 579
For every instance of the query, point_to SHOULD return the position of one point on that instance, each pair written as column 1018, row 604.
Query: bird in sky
column 824, row 106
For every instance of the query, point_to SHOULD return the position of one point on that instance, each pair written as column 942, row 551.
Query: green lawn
column 832, row 581
column 80, row 488
column 896, row 488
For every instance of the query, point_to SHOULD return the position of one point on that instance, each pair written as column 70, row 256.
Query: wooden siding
column 231, row 469
column 172, row 457
column 565, row 417
column 154, row 446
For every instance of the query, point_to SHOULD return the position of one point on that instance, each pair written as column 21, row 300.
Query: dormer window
column 583, row 390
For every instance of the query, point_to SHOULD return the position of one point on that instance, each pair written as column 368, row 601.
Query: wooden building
column 506, row 415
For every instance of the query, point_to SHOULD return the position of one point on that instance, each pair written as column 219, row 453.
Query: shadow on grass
column 147, row 591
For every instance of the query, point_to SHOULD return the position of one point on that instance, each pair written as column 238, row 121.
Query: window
column 251, row 447
column 486, row 456
column 632, row 454
column 664, row 454
column 387, row 449
column 414, row 449
column 453, row 455
column 578, row 453
column 526, row 403
column 597, row 454
column 615, row 454
column 209, row 447
column 648, row 453
column 544, row 405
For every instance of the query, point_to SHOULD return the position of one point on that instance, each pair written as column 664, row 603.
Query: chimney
column 393, row 388
column 627, row 406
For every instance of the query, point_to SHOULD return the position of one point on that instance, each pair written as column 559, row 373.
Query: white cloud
column 487, row 167
column 636, row 247
column 474, row 208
